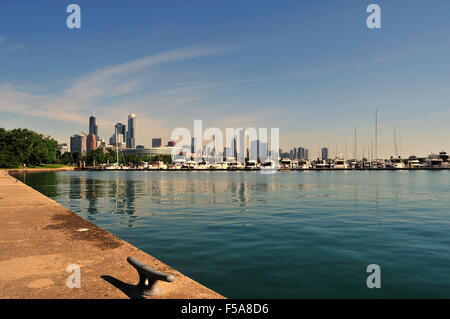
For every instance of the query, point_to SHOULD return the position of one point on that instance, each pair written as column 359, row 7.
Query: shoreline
column 38, row 170
column 40, row 238
column 274, row 170
column 15, row 171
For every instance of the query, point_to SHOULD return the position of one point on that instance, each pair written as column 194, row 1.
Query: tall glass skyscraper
column 325, row 153
column 93, row 128
column 120, row 129
column 302, row 153
column 131, row 137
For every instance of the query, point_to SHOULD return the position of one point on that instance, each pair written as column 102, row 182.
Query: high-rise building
column 301, row 153
column 325, row 153
column 263, row 151
column 194, row 146
column 117, row 140
column 285, row 155
column 119, row 137
column 93, row 128
column 78, row 143
column 131, row 134
column 91, row 142
column 120, row 128
column 254, row 150
column 157, row 142
column 295, row 153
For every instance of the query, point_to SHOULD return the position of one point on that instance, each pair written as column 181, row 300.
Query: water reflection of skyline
column 150, row 194
column 143, row 194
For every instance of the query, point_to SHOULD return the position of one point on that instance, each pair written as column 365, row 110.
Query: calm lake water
column 287, row 235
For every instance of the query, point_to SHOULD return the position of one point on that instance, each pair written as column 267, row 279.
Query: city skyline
column 314, row 71
column 122, row 138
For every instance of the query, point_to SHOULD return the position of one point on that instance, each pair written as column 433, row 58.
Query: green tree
column 26, row 147
column 8, row 160
column 96, row 157
column 66, row 158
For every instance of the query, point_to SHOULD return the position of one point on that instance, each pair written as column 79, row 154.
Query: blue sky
column 311, row 68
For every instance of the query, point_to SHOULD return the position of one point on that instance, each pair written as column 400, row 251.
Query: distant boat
column 378, row 163
column 177, row 164
column 396, row 163
column 320, row 164
column 443, row 155
column 202, row 165
column 304, row 164
column 219, row 166
column 158, row 166
column 234, row 165
column 189, row 165
column 251, row 165
column 434, row 161
column 413, row 162
column 340, row 163
column 113, row 166
column 269, row 166
column 285, row 163
column 294, row 164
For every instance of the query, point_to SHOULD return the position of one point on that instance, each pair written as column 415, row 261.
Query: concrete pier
column 39, row 239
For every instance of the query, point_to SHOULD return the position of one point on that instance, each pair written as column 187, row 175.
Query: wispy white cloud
column 117, row 88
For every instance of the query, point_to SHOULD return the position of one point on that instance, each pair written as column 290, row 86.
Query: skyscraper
column 325, row 153
column 119, row 137
column 78, row 143
column 301, row 153
column 120, row 129
column 91, row 142
column 193, row 145
column 131, row 134
column 93, row 128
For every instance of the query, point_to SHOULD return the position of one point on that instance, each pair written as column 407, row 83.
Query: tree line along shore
column 23, row 148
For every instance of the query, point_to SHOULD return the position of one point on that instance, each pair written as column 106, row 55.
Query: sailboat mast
column 117, row 147
column 376, row 133
column 395, row 143
column 371, row 151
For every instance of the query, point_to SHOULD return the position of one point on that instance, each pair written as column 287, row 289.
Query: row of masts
column 373, row 150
